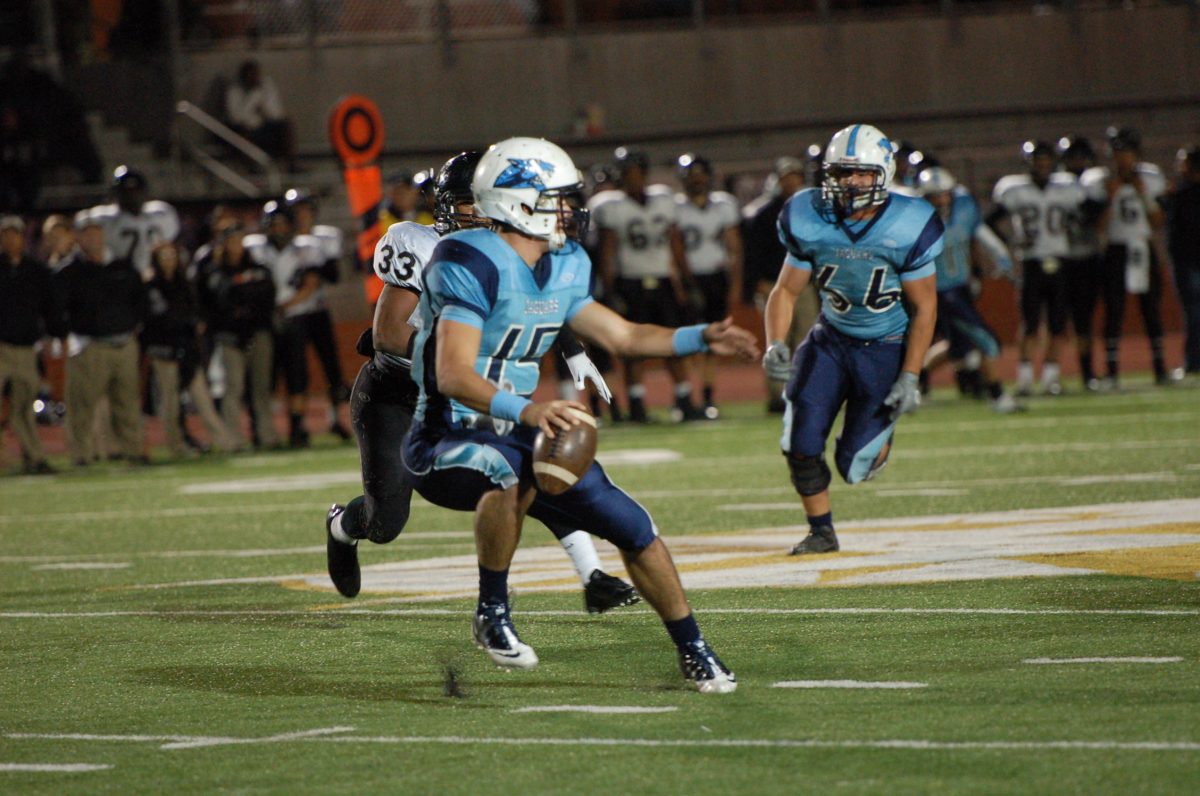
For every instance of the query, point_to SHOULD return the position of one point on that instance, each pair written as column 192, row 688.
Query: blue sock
column 683, row 631
column 822, row 520
column 493, row 586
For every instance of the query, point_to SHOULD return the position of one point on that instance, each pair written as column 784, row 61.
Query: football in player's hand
column 559, row 463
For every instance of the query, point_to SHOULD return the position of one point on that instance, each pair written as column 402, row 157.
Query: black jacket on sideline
column 29, row 306
column 101, row 300
column 173, row 315
column 1183, row 226
column 241, row 299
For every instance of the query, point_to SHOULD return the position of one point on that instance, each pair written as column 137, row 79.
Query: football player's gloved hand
column 582, row 368
column 777, row 362
column 905, row 395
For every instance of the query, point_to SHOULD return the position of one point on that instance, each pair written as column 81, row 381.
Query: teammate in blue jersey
column 959, row 323
column 493, row 303
column 866, row 249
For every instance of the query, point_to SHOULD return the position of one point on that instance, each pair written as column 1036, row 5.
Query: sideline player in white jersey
column 1129, row 192
column 643, row 264
column 1037, row 206
column 132, row 225
column 1083, row 266
column 710, row 223
column 329, row 240
column 295, row 265
column 384, row 396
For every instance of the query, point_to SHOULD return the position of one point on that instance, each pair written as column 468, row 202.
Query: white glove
column 582, row 368
column 777, row 362
column 905, row 395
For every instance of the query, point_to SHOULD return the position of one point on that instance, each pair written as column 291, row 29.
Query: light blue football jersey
column 954, row 263
column 859, row 266
column 477, row 279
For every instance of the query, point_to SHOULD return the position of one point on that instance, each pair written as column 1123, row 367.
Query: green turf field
column 169, row 630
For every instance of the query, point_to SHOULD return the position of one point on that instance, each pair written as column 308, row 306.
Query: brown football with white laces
column 559, row 463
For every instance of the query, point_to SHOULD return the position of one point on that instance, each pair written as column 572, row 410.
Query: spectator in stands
column 1183, row 237
column 242, row 292
column 28, row 311
column 104, row 300
column 41, row 126
column 254, row 109
column 763, row 256
column 171, row 339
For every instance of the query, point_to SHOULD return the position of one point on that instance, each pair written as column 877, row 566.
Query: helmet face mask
column 530, row 185
column 452, row 189
column 853, row 152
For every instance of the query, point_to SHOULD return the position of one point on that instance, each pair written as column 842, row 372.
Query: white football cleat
column 494, row 633
column 703, row 669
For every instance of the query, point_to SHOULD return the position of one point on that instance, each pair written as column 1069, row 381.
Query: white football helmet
column 859, row 147
column 935, row 180
column 520, row 182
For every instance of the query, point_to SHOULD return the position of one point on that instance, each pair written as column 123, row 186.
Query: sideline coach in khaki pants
column 27, row 313
column 105, row 303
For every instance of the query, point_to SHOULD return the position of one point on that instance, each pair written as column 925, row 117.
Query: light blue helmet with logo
column 859, row 147
column 521, row 182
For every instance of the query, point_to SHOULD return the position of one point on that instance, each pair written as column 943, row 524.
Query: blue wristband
column 689, row 340
column 507, row 406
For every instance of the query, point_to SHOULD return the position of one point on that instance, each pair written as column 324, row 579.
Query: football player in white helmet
column 493, row 303
column 866, row 249
column 384, row 396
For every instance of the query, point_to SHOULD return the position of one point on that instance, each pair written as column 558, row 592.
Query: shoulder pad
column 402, row 253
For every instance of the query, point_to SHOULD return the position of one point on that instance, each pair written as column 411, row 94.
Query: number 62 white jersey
column 402, row 254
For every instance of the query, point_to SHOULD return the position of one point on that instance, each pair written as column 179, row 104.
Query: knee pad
column 810, row 474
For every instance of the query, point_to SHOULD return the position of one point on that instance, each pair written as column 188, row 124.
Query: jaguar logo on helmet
column 525, row 173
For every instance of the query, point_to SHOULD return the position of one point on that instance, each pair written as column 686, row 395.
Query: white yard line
column 867, row 684
column 235, row 553
column 82, row 565
column 915, row 744
column 431, row 612
column 282, row 738
column 782, row 743
column 604, row 709
column 167, row 513
column 1171, row 659
column 53, row 768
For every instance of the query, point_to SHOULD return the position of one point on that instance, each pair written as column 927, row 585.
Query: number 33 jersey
column 859, row 266
column 401, row 255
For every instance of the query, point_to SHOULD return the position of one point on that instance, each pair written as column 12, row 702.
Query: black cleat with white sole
column 703, row 669
column 604, row 592
column 819, row 540
column 494, row 633
column 341, row 558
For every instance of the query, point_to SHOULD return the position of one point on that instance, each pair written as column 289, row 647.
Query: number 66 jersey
column 859, row 266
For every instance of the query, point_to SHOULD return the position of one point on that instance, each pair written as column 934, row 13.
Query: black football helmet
column 452, row 187
column 688, row 161
column 625, row 158
column 275, row 209
column 1124, row 139
column 127, row 179
column 1037, row 149
column 299, row 196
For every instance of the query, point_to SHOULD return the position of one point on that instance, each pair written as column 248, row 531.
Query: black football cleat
column 703, row 669
column 819, row 540
column 494, row 633
column 604, row 592
column 341, row 558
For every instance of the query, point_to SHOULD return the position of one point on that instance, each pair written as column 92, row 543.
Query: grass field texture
column 1014, row 611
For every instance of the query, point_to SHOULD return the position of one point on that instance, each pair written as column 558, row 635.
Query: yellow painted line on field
column 836, row 577
column 1181, row 562
column 1164, row 529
